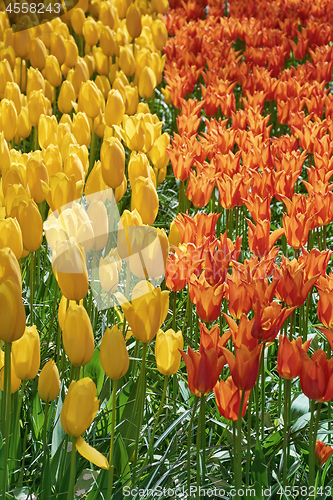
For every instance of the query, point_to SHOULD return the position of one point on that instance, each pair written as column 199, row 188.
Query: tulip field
column 166, row 225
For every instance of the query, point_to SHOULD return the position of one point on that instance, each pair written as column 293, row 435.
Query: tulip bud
column 11, row 236
column 107, row 42
column 77, row 19
column 107, row 14
column 113, row 162
column 4, row 153
column 47, row 130
column 95, row 182
column 77, row 336
column 72, row 53
column 79, row 75
column 52, row 71
column 22, row 43
column 15, row 382
column 167, row 352
column 37, row 54
column 23, row 128
column 26, row 354
column 108, row 271
column 58, row 48
column 36, row 173
column 113, row 354
column 6, row 75
column 31, row 223
column 90, row 31
column 13, row 318
column 133, row 21
column 145, row 200
column 35, row 81
column 99, row 219
column 158, row 153
column 52, row 159
column 8, row 117
column 149, row 260
column 138, row 165
column 37, row 105
column 49, row 382
column 69, row 266
column 132, row 100
column 13, row 93
column 114, row 109
column 147, row 83
column 67, row 97
column 80, row 407
column 126, row 60
column 81, row 129
column 90, row 99
column 160, row 34
column 174, row 235
column 103, row 84
column 160, row 6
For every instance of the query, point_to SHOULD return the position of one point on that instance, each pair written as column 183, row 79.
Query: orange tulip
column 244, row 366
column 203, row 369
column 210, row 339
column 260, row 239
column 196, row 229
column 206, row 297
column 268, row 320
column 316, row 376
column 289, row 358
column 241, row 334
column 186, row 260
column 322, row 453
column 228, row 399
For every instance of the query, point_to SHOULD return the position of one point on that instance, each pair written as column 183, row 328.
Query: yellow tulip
column 101, row 61
column 52, row 159
column 135, row 130
column 77, row 336
column 80, row 407
column 133, row 21
column 22, row 43
column 113, row 354
column 132, row 100
column 127, row 233
column 77, row 19
column 126, row 60
column 49, row 382
column 69, row 266
column 103, row 84
column 90, row 31
column 174, row 235
column 63, row 308
column 6, row 75
column 11, row 236
column 37, row 53
column 37, row 105
column 167, row 353
column 15, row 382
column 158, row 153
column 61, row 191
column 147, row 311
column 107, row 41
column 160, row 34
column 35, row 81
column 107, row 14
column 89, row 99
column 58, row 48
column 99, row 219
column 147, row 83
column 72, row 53
column 31, row 223
column 73, row 166
column 79, row 75
column 145, row 199
column 23, row 128
column 8, row 119
column 151, row 261
column 52, row 71
column 81, row 129
column 108, row 271
column 47, row 130
column 26, row 354
column 36, row 173
column 114, row 109
column 4, row 153
column 138, row 165
column 113, row 162
column 13, row 93
column 95, row 182
column 13, row 318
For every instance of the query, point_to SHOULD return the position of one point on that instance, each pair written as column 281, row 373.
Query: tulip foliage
column 165, row 249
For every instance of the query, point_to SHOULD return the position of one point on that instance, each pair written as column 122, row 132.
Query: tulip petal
column 91, row 453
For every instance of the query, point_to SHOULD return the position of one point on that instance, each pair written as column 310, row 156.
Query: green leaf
column 37, row 415
column 299, row 406
column 259, row 468
column 94, row 370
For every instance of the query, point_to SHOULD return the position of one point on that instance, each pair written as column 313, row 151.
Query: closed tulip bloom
column 167, row 347
column 5, row 160
column 152, row 255
column 158, row 153
column 70, row 270
column 79, row 75
column 147, row 311
column 322, row 453
column 8, row 118
column 113, row 162
column 31, row 223
column 13, row 318
column 36, row 173
column 316, row 376
column 81, row 129
column 244, row 366
column 99, row 219
column 77, row 19
column 62, row 309
column 113, row 354
column 126, row 241
column 15, row 382
column 174, row 236
column 47, row 130
column 95, row 182
column 147, row 83
column 11, row 236
column 132, row 99
column 77, row 336
column 37, row 105
column 52, row 71
column 108, row 273
column 160, row 34
column 114, row 109
column 58, row 48
column 22, row 43
column 35, row 81
column 37, row 54
column 126, row 60
column 72, row 53
column 23, row 128
column 145, row 199
column 228, row 399
column 80, row 407
column 138, row 165
column 203, row 369
column 107, row 41
column 289, row 357
column 13, row 93
column 6, row 75
column 206, row 297
column 90, row 32
column 133, row 21
column 49, row 382
column 52, row 159
column 26, row 354
column 73, row 166
column 89, row 99
column 61, row 191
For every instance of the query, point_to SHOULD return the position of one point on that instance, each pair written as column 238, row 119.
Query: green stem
column 286, row 430
column 32, row 275
column 263, row 392
column 92, row 149
column 174, row 311
column 248, row 450
column 201, row 443
column 156, row 420
column 311, row 446
column 17, row 420
column 189, row 436
column 7, row 390
column 238, row 450
column 70, row 493
column 113, row 422
column 141, row 396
